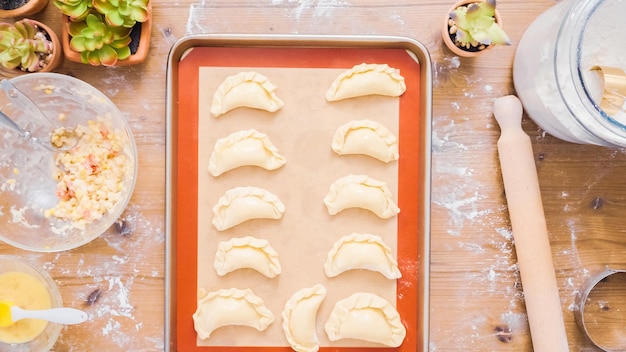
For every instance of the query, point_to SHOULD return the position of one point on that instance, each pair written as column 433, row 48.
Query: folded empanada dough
column 366, row 137
column 241, row 204
column 367, row 79
column 361, row 191
column 361, row 251
column 246, row 252
column 230, row 307
column 244, row 148
column 366, row 316
column 245, row 89
column 299, row 317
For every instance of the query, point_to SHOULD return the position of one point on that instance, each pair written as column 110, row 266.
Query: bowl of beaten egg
column 30, row 288
column 54, row 199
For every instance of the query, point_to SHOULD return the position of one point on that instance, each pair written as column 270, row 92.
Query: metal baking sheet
column 194, row 67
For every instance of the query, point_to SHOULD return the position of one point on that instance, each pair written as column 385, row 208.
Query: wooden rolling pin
column 541, row 293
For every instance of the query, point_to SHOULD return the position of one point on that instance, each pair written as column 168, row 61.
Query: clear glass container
column 28, row 185
column 554, row 73
column 48, row 337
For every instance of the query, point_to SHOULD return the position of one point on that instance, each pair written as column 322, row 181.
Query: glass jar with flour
column 570, row 71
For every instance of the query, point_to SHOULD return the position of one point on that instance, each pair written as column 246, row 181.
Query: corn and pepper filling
column 91, row 175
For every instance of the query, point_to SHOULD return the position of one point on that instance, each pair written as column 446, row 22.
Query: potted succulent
column 28, row 46
column 106, row 32
column 21, row 8
column 472, row 26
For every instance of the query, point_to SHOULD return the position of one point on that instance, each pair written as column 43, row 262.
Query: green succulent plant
column 123, row 12
column 23, row 46
column 76, row 9
column 100, row 29
column 474, row 25
column 98, row 42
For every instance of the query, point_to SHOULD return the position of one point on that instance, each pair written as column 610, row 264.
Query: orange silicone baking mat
column 303, row 128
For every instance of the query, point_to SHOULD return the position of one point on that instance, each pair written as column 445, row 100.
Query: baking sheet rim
column 177, row 52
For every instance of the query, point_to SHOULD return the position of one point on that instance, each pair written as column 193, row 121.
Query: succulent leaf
column 9, row 57
column 140, row 13
column 98, row 42
column 116, row 19
column 26, row 29
column 77, row 10
column 120, row 32
column 121, row 43
column 123, row 12
column 462, row 36
column 497, row 35
column 459, row 17
column 103, row 37
column 78, row 44
column 482, row 9
column 75, row 28
column 23, row 46
column 94, row 34
column 476, row 23
column 30, row 62
column 123, row 53
column 106, row 56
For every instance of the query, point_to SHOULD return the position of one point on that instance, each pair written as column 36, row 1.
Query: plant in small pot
column 28, row 46
column 472, row 26
column 106, row 32
column 21, row 8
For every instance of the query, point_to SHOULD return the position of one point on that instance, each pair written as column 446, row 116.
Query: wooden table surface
column 476, row 300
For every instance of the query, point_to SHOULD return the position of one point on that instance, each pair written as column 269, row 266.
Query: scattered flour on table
column 113, row 313
column 468, row 200
column 300, row 17
column 319, row 8
column 113, row 83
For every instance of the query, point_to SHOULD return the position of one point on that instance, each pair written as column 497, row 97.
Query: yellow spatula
column 10, row 313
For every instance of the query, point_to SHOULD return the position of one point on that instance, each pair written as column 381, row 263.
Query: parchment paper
column 302, row 131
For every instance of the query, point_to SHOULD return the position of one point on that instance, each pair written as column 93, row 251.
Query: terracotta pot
column 138, row 57
column 445, row 32
column 30, row 8
column 55, row 58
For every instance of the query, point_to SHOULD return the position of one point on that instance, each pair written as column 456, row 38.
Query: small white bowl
column 46, row 339
column 27, row 186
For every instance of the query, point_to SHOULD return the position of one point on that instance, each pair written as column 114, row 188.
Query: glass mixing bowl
column 48, row 337
column 29, row 194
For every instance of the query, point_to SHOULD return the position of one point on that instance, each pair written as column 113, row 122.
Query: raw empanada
column 361, row 191
column 241, row 204
column 366, row 137
column 366, row 316
column 245, row 89
column 299, row 317
column 367, row 79
column 246, row 252
column 244, row 148
column 230, row 307
column 361, row 251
